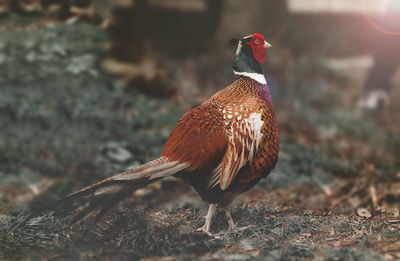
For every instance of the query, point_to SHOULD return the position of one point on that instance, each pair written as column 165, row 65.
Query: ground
column 67, row 123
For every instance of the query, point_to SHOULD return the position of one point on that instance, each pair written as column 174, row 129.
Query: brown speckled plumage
column 214, row 128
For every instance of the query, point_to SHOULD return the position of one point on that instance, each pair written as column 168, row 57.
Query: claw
column 232, row 226
column 205, row 231
column 237, row 229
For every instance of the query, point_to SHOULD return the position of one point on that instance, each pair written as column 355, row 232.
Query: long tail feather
column 102, row 203
column 140, row 174
column 106, row 193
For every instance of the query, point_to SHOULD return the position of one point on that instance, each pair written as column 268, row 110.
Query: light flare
column 375, row 25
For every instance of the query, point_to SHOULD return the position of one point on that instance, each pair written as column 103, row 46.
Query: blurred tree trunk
column 155, row 37
column 128, row 30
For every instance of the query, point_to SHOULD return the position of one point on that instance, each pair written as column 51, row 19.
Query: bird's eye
column 256, row 42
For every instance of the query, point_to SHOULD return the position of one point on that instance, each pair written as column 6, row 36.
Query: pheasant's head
column 250, row 53
column 253, row 45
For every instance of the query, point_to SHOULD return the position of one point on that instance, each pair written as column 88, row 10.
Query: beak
column 266, row 44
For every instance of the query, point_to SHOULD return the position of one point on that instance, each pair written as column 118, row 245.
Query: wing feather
column 244, row 140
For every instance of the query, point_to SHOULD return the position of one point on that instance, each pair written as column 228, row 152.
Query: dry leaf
column 363, row 212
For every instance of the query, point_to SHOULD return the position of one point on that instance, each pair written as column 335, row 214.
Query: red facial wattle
column 257, row 46
column 259, row 53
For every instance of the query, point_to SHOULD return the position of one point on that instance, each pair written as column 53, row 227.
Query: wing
column 199, row 138
column 244, row 139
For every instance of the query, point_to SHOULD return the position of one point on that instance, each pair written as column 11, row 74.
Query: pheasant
column 222, row 147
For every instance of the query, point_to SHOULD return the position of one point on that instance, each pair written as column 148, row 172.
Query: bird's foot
column 204, row 230
column 236, row 229
column 231, row 230
column 206, row 227
column 232, row 225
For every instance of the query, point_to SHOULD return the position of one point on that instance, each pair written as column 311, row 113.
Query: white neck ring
column 255, row 76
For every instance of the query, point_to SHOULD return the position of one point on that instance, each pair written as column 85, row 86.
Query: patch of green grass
column 62, row 116
column 60, row 110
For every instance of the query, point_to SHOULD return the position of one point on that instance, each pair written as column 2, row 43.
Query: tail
column 104, row 194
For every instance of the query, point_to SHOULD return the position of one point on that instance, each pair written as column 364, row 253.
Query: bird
column 222, row 148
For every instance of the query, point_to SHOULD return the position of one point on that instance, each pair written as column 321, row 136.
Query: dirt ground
column 66, row 123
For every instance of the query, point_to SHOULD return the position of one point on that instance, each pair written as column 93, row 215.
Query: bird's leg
column 206, row 227
column 231, row 223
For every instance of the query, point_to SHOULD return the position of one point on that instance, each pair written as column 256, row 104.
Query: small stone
column 305, row 234
column 308, row 212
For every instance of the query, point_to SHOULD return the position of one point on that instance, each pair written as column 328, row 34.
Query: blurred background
column 89, row 88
